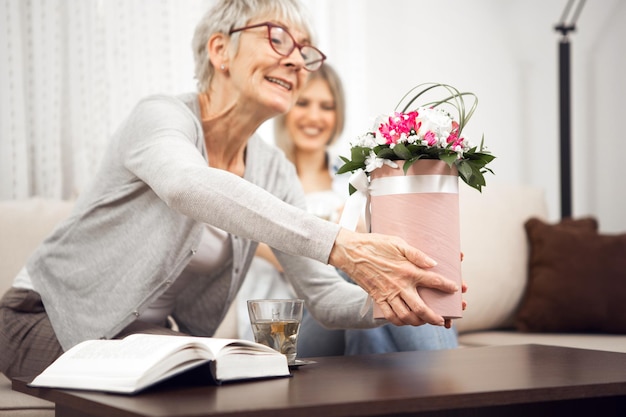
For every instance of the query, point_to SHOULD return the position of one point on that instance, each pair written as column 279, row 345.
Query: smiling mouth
column 311, row 131
column 282, row 83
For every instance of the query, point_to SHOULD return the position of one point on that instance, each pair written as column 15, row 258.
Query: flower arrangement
column 429, row 131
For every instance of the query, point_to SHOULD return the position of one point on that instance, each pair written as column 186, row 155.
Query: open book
column 140, row 360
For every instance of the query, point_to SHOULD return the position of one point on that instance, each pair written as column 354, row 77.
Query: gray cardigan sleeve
column 167, row 159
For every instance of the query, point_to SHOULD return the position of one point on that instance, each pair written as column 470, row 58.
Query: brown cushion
column 577, row 279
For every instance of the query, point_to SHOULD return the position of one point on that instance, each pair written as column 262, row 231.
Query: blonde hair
column 226, row 15
column 328, row 74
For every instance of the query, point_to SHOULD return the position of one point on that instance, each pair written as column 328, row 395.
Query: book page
column 222, row 347
column 118, row 362
column 140, row 360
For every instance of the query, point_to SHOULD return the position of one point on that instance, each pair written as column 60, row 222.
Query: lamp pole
column 565, row 105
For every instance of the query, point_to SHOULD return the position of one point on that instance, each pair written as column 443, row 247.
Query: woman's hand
column 390, row 270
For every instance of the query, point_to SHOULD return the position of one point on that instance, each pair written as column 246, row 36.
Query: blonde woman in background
column 305, row 134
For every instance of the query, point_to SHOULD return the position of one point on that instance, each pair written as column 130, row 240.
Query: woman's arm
column 166, row 157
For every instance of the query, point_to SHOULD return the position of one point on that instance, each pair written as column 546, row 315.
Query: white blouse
column 213, row 251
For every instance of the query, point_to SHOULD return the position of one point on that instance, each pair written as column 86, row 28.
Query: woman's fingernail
column 431, row 261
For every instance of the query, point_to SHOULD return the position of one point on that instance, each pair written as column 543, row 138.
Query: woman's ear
column 217, row 47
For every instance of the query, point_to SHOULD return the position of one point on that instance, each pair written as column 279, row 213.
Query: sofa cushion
column 494, row 243
column 13, row 403
column 595, row 341
column 576, row 279
column 23, row 225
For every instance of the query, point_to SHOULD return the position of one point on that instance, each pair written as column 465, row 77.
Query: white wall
column 505, row 51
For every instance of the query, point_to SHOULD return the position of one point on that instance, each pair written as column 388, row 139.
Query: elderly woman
column 184, row 193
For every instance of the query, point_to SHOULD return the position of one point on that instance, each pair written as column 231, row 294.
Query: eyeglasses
column 283, row 44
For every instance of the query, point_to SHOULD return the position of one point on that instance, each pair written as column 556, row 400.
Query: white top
column 215, row 248
column 325, row 204
column 263, row 280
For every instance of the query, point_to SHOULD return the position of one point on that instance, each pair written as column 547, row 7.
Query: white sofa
column 495, row 267
column 23, row 224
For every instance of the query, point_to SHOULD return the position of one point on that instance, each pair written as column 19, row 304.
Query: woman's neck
column 313, row 170
column 226, row 133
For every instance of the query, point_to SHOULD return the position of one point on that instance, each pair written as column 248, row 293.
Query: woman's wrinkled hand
column 390, row 270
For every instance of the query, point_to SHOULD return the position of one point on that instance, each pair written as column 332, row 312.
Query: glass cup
column 275, row 323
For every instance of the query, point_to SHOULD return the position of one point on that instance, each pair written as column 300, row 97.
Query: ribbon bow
column 357, row 203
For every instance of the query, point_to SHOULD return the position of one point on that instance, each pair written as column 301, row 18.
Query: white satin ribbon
column 359, row 201
column 414, row 184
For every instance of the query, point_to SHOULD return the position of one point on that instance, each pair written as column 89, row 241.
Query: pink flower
column 453, row 138
column 407, row 122
column 455, row 142
column 388, row 131
column 430, row 138
column 398, row 127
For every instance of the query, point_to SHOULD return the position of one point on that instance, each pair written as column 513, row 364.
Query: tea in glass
column 275, row 323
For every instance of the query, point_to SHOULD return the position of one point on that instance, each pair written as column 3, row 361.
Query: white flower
column 379, row 139
column 372, row 162
column 412, row 139
column 436, row 120
column 367, row 141
column 390, row 163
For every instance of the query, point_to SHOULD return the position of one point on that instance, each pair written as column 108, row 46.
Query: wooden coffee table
column 525, row 380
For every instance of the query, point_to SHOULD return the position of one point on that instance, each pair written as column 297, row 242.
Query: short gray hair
column 226, row 15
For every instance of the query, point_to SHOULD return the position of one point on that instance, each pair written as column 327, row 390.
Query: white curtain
column 70, row 71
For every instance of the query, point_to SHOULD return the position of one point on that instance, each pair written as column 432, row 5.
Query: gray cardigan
column 134, row 230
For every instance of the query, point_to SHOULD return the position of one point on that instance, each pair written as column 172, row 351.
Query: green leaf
column 407, row 164
column 386, row 153
column 449, row 158
column 401, row 151
column 350, row 167
column 465, row 171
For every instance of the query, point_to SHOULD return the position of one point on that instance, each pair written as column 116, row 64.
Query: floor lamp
column 565, row 104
